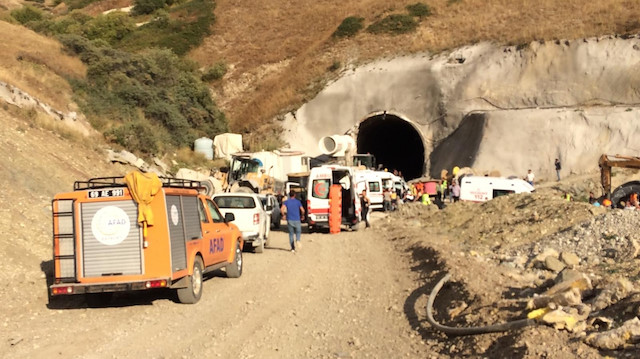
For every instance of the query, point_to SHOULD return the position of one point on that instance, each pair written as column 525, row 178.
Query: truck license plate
column 116, row 192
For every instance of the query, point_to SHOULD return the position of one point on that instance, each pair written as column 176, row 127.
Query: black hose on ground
column 454, row 331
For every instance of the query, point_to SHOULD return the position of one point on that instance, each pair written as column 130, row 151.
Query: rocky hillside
column 269, row 76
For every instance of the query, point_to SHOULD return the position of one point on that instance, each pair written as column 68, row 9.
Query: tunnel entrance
column 396, row 144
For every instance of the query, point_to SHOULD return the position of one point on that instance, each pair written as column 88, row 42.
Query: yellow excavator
column 621, row 193
column 245, row 176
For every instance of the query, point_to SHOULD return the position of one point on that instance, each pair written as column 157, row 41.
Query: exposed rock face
column 15, row 96
column 571, row 100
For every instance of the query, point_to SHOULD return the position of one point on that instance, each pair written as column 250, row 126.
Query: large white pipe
column 337, row 145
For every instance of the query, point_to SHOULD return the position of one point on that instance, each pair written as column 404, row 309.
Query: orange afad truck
column 140, row 232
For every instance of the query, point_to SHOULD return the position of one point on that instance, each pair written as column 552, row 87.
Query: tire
column 260, row 247
column 209, row 188
column 192, row 293
column 623, row 192
column 276, row 224
column 234, row 269
column 266, row 235
column 355, row 227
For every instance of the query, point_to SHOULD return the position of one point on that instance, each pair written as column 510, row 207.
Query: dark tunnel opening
column 461, row 147
column 396, row 144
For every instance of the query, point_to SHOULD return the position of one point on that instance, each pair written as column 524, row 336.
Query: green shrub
column 74, row 23
column 155, row 86
column 215, row 72
column 137, row 135
column 27, row 14
column 111, row 27
column 144, row 99
column 419, row 10
column 394, row 24
column 349, row 27
column 189, row 24
column 335, row 66
column 142, row 7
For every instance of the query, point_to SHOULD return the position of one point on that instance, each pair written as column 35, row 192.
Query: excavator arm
column 606, row 162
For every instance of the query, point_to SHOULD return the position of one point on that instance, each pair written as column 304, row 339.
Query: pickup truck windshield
column 235, row 202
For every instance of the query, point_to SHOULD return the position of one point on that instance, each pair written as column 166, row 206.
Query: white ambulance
column 388, row 179
column 481, row 189
column 320, row 181
column 370, row 181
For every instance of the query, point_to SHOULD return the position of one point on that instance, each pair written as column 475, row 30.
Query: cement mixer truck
column 343, row 148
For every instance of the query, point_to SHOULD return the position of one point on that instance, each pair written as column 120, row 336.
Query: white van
column 370, row 181
column 387, row 178
column 320, row 181
column 481, row 189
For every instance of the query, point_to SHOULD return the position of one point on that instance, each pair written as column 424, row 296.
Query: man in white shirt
column 530, row 177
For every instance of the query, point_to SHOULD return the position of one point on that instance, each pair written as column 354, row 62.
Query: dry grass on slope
column 10, row 4
column 279, row 51
column 37, row 65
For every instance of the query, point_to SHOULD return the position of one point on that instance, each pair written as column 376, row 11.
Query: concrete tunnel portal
column 394, row 142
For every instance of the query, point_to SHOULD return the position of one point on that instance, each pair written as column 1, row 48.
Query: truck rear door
column 318, row 194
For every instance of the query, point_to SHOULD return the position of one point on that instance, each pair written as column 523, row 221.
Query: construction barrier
column 335, row 208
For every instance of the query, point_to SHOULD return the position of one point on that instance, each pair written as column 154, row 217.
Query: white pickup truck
column 251, row 216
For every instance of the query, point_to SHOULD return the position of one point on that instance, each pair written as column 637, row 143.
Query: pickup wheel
column 267, row 242
column 260, row 247
column 234, row 269
column 192, row 293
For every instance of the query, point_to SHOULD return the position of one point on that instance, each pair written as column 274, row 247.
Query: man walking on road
column 293, row 209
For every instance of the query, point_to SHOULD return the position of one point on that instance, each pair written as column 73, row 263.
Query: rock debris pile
column 570, row 266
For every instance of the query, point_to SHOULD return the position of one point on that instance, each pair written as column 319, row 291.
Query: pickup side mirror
column 229, row 217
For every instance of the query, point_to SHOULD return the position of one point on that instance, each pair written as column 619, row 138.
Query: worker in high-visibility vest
column 425, row 199
column 443, row 188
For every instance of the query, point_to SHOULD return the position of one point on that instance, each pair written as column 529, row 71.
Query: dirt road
column 338, row 296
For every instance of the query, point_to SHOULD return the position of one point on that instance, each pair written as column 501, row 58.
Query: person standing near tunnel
column 558, row 168
column 386, row 199
column 364, row 204
column 530, row 177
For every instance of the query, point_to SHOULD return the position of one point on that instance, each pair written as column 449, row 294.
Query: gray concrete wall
column 571, row 99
